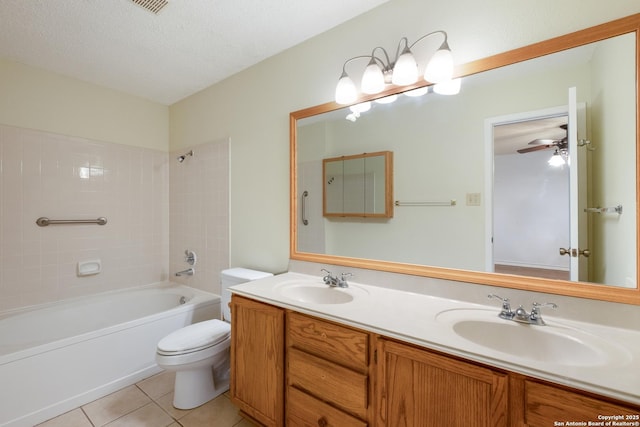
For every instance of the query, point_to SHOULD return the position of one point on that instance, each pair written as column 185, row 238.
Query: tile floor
column 148, row 404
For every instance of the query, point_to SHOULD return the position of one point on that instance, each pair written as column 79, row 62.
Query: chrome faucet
column 187, row 272
column 521, row 315
column 335, row 281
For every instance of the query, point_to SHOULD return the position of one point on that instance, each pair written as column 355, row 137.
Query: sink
column 316, row 292
column 554, row 343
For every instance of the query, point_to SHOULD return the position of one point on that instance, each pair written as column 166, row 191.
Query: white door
column 577, row 131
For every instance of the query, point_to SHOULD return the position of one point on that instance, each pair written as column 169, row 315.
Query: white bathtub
column 56, row 357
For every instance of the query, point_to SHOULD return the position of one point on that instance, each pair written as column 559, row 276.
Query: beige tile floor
column 148, row 404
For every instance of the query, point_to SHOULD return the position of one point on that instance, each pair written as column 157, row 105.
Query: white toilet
column 199, row 353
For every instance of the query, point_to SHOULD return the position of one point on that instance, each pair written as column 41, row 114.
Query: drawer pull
column 322, row 422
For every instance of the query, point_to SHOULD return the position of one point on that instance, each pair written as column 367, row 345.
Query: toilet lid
column 194, row 337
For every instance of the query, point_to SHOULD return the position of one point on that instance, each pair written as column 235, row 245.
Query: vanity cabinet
column 328, row 378
column 549, row 405
column 292, row 369
column 257, row 360
column 417, row 387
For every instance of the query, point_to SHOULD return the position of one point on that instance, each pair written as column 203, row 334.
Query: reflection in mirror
column 358, row 185
column 449, row 148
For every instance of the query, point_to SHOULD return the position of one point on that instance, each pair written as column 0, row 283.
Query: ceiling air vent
column 151, row 5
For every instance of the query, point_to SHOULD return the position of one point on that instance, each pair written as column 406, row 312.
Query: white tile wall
column 61, row 177
column 199, row 213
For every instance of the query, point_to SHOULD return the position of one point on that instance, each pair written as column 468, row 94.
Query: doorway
column 529, row 217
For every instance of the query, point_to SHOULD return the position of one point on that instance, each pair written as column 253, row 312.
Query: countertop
column 428, row 321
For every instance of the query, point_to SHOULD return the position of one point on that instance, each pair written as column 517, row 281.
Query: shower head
column 184, row 156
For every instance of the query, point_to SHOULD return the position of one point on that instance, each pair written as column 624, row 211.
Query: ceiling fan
column 543, row 144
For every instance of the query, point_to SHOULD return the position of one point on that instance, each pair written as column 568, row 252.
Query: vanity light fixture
column 402, row 71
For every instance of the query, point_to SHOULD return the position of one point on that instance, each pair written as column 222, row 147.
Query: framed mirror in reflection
column 538, row 151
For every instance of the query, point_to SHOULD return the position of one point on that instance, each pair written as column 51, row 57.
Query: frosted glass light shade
column 346, row 92
column 405, row 72
column 440, row 67
column 448, row 87
column 556, row 160
column 372, row 79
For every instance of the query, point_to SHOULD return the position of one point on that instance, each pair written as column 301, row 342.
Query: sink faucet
column 187, row 272
column 335, row 281
column 521, row 315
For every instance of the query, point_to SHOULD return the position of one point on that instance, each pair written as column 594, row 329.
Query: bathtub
column 56, row 357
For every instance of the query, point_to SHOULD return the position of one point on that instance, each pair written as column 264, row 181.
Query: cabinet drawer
column 332, row 383
column 340, row 344
column 306, row 411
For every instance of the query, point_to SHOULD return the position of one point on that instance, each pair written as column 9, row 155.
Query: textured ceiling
column 164, row 57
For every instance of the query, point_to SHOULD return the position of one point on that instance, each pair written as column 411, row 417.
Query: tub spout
column 187, row 272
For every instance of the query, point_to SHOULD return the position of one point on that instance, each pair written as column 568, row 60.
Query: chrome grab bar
column 44, row 221
column 613, row 209
column 305, row 194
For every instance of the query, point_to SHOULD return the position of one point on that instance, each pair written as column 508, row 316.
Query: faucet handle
column 535, row 316
column 506, row 312
column 328, row 278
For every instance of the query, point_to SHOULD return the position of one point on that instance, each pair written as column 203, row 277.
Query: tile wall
column 61, row 177
column 199, row 213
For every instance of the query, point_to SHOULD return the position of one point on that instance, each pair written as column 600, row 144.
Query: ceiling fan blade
column 535, row 148
column 542, row 141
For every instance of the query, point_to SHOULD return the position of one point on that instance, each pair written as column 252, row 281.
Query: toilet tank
column 234, row 276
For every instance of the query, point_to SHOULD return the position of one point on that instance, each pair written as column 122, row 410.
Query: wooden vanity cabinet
column 417, row 387
column 257, row 360
column 541, row 404
column 291, row 369
column 328, row 378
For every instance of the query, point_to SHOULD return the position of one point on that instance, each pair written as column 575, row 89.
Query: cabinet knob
column 322, row 422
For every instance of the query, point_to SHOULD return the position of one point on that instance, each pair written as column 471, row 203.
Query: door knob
column 564, row 251
column 584, row 252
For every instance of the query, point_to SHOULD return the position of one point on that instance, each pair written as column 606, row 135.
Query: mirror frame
column 630, row 24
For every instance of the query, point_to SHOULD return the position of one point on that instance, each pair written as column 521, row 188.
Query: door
column 576, row 134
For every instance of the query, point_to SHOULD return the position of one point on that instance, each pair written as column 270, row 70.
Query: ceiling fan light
column 346, row 92
column 372, row 79
column 440, row 67
column 556, row 160
column 405, row 71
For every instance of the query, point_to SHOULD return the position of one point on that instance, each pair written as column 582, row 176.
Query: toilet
column 199, row 353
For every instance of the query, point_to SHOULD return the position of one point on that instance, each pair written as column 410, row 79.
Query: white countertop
column 419, row 319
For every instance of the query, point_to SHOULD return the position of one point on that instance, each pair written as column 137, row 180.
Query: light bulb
column 372, row 79
column 405, row 72
column 440, row 67
column 346, row 92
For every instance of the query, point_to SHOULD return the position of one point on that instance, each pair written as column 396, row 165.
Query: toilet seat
column 195, row 337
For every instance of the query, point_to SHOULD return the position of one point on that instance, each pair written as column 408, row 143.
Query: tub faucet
column 187, row 272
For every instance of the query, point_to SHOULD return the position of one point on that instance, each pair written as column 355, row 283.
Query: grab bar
column 305, row 194
column 613, row 209
column 451, row 202
column 44, row 221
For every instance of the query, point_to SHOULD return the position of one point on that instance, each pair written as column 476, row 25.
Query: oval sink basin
column 555, row 344
column 319, row 293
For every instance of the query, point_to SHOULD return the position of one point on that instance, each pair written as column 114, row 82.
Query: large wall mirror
column 528, row 178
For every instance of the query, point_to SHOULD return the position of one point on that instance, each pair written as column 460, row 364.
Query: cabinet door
column 547, row 405
column 419, row 388
column 257, row 360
